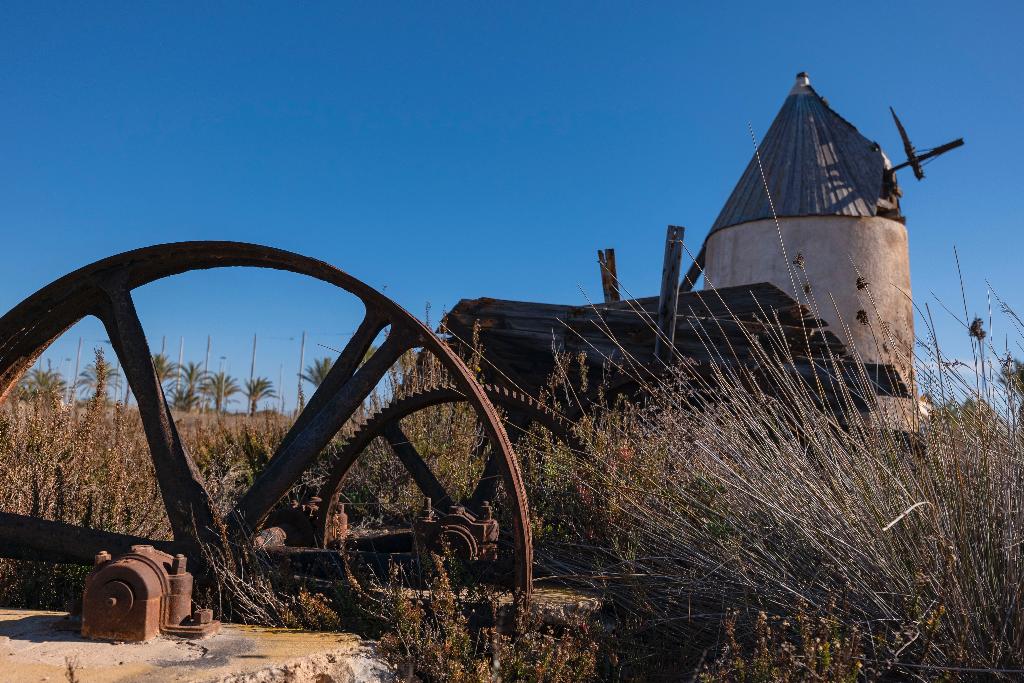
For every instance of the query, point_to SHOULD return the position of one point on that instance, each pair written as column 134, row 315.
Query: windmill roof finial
column 803, row 83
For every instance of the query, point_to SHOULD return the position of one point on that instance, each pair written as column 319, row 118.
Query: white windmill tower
column 828, row 228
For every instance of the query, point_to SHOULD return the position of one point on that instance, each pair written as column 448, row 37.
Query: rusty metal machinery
column 468, row 518
column 104, row 290
column 462, row 533
column 142, row 594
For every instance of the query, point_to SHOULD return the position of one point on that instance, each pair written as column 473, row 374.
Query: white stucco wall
column 835, row 250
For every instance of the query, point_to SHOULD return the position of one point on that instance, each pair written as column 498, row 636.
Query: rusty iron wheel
column 103, row 289
column 520, row 412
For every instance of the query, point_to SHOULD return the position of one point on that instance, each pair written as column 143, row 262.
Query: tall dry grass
column 733, row 507
column 754, row 536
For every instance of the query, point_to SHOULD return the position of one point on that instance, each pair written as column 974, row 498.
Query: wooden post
column 669, row 298
column 609, row 277
column 695, row 271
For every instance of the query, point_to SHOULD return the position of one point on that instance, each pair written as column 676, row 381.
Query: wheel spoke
column 30, row 538
column 189, row 508
column 289, row 462
column 341, row 372
column 421, row 473
column 487, row 488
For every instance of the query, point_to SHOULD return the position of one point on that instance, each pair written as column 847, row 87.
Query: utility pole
column 280, row 386
column 206, row 363
column 252, row 366
column 74, row 380
column 302, row 360
column 181, row 358
column 117, row 380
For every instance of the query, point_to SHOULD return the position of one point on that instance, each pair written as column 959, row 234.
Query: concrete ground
column 37, row 646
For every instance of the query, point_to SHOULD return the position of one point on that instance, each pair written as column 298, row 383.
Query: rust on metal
column 521, row 410
column 104, row 290
column 459, row 532
column 291, row 525
column 140, row 595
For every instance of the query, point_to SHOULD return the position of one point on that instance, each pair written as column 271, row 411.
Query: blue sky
column 442, row 151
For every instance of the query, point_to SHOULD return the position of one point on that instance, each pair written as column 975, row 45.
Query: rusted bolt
column 202, row 616
column 488, row 512
column 458, row 510
column 178, row 564
column 111, row 601
column 102, row 557
column 141, row 549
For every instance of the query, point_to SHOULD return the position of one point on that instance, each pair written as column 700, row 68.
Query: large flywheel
column 104, row 290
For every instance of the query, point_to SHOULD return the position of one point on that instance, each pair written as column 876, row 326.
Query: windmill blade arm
column 918, row 159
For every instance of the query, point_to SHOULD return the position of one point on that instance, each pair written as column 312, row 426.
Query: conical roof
column 815, row 163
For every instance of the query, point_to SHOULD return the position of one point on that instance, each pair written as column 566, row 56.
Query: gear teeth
column 373, row 425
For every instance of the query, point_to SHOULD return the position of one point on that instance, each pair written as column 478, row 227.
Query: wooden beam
column 695, row 271
column 609, row 276
column 669, row 298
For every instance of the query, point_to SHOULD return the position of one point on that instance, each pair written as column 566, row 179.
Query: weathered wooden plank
column 741, row 302
column 609, row 275
column 726, row 329
column 669, row 297
column 636, row 328
column 695, row 270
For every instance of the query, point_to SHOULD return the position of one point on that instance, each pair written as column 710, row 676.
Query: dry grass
column 724, row 513
column 745, row 538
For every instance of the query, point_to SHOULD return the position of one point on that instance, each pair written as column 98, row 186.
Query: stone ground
column 37, row 646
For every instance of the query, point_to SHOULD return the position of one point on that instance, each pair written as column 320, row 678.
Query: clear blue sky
column 449, row 150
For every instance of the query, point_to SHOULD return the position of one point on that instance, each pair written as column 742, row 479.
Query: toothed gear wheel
column 521, row 410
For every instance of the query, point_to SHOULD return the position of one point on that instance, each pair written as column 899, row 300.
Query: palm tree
column 316, row 372
column 219, row 387
column 185, row 399
column 187, row 394
column 256, row 390
column 40, row 382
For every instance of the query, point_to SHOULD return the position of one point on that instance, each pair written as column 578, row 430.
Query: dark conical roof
column 815, row 162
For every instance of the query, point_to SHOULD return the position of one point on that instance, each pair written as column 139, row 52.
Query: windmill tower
column 839, row 240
